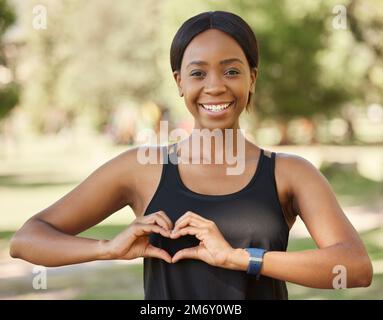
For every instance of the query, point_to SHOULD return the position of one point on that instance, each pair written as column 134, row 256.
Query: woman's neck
column 215, row 146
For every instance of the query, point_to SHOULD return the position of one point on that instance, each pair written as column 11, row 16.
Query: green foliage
column 9, row 93
column 7, row 16
column 366, row 25
column 9, row 97
column 92, row 57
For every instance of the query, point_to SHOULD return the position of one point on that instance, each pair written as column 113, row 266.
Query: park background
column 75, row 94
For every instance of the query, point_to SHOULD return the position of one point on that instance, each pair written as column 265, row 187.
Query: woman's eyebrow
column 223, row 62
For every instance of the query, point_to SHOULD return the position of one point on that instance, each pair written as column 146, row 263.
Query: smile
column 216, row 108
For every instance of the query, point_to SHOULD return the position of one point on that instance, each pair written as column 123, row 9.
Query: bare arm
column 337, row 240
column 49, row 237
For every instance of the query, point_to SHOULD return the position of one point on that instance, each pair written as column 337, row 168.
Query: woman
column 205, row 234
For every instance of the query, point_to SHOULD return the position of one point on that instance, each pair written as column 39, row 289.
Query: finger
column 143, row 229
column 158, row 219
column 193, row 221
column 193, row 231
column 188, row 253
column 186, row 222
column 152, row 251
column 190, row 214
column 187, row 217
column 161, row 222
column 164, row 215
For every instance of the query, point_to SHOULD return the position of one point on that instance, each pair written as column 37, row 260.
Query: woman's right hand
column 133, row 242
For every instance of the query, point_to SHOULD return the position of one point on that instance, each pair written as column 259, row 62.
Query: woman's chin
column 211, row 125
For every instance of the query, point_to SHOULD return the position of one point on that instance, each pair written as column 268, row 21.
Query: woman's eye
column 197, row 74
column 232, row 72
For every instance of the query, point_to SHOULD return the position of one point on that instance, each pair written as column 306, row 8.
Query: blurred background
column 80, row 79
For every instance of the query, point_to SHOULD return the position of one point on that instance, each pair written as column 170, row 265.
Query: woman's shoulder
column 141, row 164
column 294, row 172
column 135, row 166
column 140, row 161
column 144, row 165
column 293, row 164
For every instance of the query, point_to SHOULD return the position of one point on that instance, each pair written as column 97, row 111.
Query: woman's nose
column 214, row 85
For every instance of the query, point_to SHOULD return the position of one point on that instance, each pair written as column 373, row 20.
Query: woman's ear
column 253, row 78
column 177, row 78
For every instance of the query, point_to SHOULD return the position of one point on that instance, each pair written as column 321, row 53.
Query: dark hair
column 227, row 22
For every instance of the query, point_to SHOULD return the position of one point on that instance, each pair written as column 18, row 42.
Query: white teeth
column 216, row 107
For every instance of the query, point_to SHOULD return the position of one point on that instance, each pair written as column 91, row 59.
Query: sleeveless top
column 250, row 217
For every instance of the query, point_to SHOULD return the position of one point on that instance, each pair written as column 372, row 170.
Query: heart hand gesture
column 212, row 249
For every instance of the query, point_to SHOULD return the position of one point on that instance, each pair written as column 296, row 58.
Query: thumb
column 188, row 253
column 152, row 251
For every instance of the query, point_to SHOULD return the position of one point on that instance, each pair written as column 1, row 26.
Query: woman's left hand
column 212, row 249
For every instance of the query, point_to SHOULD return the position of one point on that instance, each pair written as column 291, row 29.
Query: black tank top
column 251, row 217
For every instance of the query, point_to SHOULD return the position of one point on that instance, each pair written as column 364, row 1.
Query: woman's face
column 215, row 80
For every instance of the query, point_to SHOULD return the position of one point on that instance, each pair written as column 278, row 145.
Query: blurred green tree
column 9, row 90
column 92, row 56
column 366, row 25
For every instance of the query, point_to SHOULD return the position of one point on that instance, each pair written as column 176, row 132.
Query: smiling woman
column 226, row 75
column 205, row 234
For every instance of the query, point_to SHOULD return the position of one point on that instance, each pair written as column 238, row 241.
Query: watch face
column 256, row 259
